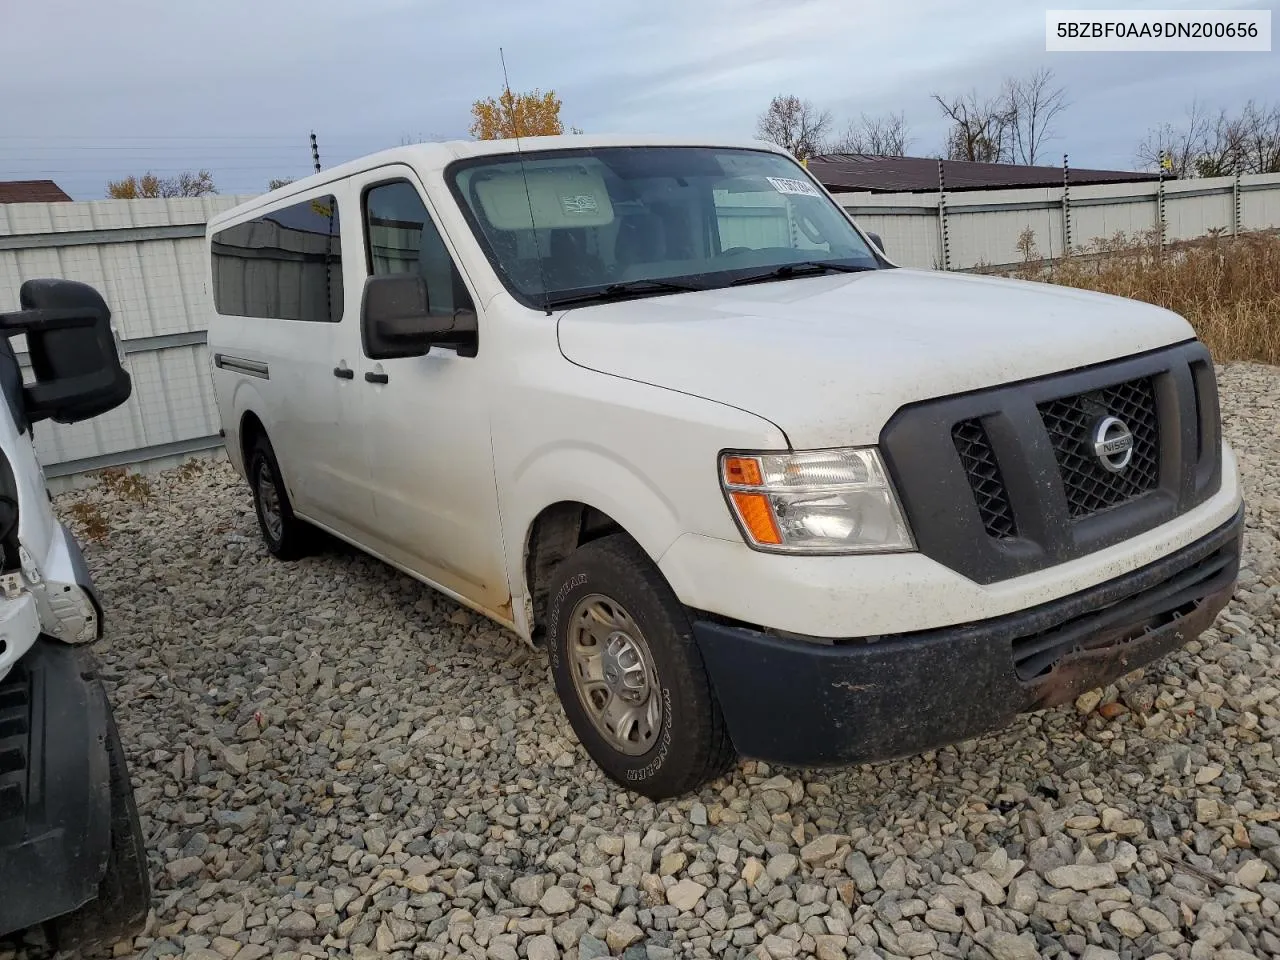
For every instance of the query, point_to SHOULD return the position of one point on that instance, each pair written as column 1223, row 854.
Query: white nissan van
column 659, row 406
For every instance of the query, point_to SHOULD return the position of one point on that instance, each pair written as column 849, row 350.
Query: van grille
column 1070, row 421
column 989, row 493
column 15, row 720
column 1023, row 455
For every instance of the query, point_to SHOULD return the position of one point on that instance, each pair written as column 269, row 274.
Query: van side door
column 287, row 323
column 426, row 419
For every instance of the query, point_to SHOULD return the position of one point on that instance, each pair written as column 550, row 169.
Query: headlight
column 820, row 501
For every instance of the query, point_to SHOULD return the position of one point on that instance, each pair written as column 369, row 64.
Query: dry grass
column 1228, row 288
column 125, row 484
column 88, row 521
column 90, row 511
column 189, row 470
column 90, row 516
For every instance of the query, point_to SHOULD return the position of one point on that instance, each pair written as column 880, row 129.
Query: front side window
column 570, row 226
column 402, row 238
column 283, row 265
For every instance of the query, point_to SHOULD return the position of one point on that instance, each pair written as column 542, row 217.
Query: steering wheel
column 735, row 251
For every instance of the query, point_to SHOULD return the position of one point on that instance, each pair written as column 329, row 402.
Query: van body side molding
column 251, row 368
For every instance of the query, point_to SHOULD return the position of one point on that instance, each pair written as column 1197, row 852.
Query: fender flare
column 596, row 477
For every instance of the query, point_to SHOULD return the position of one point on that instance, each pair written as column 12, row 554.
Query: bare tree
column 1033, row 103
column 980, row 129
column 1247, row 142
column 1221, row 150
column 882, row 136
column 1258, row 139
column 275, row 183
column 1177, row 148
column 795, row 124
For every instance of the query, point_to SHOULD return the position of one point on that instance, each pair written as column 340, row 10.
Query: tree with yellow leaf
column 149, row 185
column 535, row 114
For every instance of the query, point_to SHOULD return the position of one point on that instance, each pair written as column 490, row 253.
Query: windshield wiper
column 624, row 288
column 800, row 269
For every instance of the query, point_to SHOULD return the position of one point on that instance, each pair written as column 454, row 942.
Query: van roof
column 438, row 155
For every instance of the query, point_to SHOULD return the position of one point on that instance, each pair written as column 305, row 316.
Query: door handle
column 376, row 377
column 344, row 373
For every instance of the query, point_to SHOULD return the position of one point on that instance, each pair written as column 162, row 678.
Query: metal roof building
column 844, row 172
column 31, row 191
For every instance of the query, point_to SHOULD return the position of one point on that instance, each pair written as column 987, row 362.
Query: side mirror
column 72, row 349
column 875, row 238
column 396, row 319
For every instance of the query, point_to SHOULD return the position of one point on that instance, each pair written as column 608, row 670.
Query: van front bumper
column 819, row 702
column 834, row 597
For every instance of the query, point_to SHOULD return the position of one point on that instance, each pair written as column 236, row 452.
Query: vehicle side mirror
column 875, row 238
column 72, row 349
column 396, row 319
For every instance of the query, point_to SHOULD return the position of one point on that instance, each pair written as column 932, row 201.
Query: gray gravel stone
column 895, row 877
column 1082, row 876
column 556, row 900
column 781, row 866
column 912, row 943
column 297, row 926
column 685, row 895
column 1007, row 946
column 857, row 867
column 986, row 885
column 528, row 890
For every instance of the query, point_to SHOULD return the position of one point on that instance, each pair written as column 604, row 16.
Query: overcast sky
column 93, row 90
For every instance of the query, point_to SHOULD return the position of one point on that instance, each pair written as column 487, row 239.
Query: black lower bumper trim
column 860, row 700
column 55, row 799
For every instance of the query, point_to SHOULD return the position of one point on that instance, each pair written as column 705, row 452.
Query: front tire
column 286, row 537
column 629, row 674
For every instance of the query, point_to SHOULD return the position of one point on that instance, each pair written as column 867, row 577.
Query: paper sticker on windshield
column 580, row 204
column 800, row 188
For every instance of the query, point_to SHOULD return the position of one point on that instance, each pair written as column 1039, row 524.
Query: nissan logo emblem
column 1113, row 444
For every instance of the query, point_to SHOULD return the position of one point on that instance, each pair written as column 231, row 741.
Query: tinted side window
column 286, row 264
column 403, row 239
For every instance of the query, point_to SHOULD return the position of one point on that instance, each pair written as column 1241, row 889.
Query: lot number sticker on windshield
column 798, row 187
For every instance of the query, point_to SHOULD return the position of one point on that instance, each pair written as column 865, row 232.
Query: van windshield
column 567, row 227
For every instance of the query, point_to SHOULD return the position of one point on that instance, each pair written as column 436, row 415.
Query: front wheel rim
column 614, row 675
column 269, row 502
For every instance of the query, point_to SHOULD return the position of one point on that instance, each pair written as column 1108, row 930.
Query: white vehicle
column 71, row 852
column 661, row 407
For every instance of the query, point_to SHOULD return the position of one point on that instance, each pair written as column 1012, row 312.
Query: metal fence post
column 1235, row 206
column 1066, row 207
column 944, row 239
column 1160, row 222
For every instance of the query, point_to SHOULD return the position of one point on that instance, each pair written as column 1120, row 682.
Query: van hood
column 830, row 359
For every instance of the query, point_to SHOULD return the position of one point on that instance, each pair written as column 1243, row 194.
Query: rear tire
column 629, row 673
column 286, row 537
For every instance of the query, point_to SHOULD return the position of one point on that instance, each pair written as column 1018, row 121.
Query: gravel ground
column 332, row 761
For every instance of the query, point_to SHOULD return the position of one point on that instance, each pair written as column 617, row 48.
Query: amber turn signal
column 757, row 517
column 742, row 472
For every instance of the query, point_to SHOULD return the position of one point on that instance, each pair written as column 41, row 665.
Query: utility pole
column 315, row 152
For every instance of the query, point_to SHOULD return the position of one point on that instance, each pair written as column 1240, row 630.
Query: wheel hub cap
column 613, row 675
column 269, row 502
